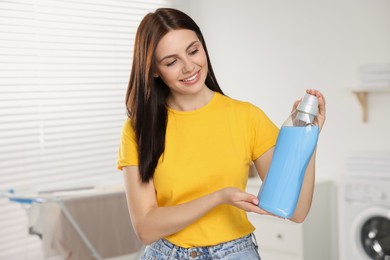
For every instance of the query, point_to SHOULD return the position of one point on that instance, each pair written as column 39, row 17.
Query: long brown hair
column 146, row 95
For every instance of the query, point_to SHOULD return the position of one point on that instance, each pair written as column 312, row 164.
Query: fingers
column 247, row 197
column 244, row 201
column 296, row 103
column 321, row 106
column 261, row 211
column 258, row 210
column 250, row 203
column 319, row 95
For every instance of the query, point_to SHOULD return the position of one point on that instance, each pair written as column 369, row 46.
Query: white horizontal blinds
column 18, row 65
column 64, row 68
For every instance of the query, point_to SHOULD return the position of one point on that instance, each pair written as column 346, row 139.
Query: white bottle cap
column 309, row 104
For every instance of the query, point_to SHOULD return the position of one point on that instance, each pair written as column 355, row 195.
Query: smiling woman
column 63, row 71
column 185, row 71
column 186, row 148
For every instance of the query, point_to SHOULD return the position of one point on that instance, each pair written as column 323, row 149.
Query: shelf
column 362, row 94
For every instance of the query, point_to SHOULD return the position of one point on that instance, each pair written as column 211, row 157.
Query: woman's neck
column 190, row 102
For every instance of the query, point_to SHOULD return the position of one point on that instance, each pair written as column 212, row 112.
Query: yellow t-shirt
column 206, row 150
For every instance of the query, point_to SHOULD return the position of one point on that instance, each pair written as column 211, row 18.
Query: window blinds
column 64, row 68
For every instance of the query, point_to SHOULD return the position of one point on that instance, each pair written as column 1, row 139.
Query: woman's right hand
column 152, row 222
column 243, row 200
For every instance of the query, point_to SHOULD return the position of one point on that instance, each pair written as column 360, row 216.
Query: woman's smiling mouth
column 191, row 79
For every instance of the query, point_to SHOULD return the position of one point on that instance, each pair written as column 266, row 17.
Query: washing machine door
column 372, row 233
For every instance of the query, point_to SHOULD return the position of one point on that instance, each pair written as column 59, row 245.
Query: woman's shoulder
column 127, row 127
column 236, row 103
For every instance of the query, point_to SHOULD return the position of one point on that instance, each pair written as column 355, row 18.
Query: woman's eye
column 171, row 63
column 194, row 52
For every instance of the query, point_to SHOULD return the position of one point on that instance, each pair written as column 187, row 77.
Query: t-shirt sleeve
column 128, row 152
column 265, row 133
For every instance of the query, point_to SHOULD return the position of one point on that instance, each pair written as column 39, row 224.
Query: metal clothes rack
column 27, row 200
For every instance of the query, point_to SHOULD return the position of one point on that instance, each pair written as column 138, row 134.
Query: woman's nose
column 188, row 66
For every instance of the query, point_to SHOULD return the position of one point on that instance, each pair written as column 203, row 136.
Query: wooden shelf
column 362, row 95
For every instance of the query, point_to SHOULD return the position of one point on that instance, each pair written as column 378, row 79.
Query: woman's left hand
column 321, row 106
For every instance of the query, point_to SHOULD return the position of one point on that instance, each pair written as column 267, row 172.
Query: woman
column 186, row 148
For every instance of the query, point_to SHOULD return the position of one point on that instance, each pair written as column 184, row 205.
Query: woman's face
column 181, row 62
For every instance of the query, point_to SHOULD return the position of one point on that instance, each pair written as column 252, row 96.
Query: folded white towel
column 370, row 77
column 374, row 84
column 374, row 68
column 369, row 164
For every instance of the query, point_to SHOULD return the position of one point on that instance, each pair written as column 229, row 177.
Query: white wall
column 269, row 52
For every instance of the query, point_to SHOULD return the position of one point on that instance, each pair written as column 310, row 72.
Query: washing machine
column 364, row 225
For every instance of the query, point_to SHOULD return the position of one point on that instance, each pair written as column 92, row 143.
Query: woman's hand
column 321, row 106
column 152, row 222
column 237, row 198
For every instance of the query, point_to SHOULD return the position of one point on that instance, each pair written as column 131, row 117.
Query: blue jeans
column 240, row 249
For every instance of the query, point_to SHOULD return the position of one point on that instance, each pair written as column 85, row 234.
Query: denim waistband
column 219, row 251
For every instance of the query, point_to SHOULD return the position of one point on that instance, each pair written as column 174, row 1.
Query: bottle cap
column 309, row 104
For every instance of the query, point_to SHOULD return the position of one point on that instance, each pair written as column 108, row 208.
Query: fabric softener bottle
column 294, row 148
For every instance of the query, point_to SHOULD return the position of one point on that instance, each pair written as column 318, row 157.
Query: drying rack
column 59, row 196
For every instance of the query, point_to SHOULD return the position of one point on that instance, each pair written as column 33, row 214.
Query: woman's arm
column 263, row 163
column 306, row 195
column 152, row 222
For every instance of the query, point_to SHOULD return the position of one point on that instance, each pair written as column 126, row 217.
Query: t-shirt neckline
column 196, row 111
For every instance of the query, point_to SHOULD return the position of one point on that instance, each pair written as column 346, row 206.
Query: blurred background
column 64, row 67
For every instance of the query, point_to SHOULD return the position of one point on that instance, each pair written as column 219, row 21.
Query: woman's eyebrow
column 173, row 55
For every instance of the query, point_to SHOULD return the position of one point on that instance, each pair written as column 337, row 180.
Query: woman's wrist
column 218, row 197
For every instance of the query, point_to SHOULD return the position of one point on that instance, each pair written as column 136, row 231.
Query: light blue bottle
column 294, row 147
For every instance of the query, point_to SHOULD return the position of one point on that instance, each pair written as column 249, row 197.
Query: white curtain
column 64, row 68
